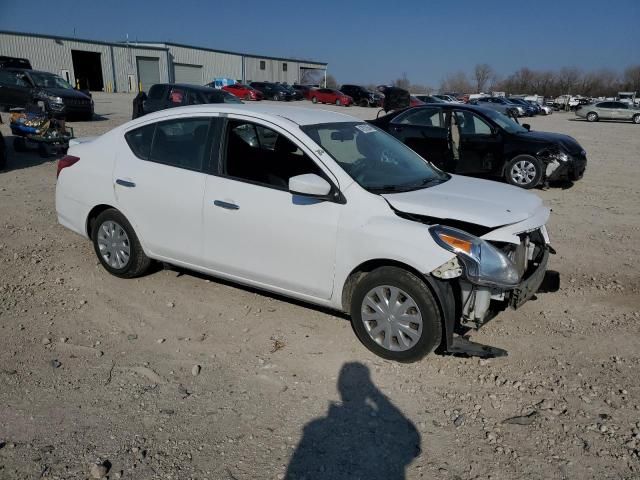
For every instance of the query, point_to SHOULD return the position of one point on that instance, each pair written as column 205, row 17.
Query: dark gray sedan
column 609, row 111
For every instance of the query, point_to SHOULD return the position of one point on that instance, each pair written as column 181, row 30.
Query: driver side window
column 261, row 155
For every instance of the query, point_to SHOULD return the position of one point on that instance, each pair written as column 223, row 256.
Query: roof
column 297, row 115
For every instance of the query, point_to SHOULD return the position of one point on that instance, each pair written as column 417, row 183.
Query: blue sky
column 364, row 41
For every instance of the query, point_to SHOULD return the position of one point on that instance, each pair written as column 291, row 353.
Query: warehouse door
column 188, row 74
column 87, row 68
column 148, row 72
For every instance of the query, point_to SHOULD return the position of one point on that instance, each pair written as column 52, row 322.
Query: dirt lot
column 180, row 376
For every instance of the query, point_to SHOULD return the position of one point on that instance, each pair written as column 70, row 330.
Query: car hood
column 65, row 93
column 471, row 200
column 569, row 144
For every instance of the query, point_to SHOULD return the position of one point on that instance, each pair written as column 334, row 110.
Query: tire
column 524, row 171
column 592, row 117
column 105, row 225
column 338, row 102
column 427, row 327
column 275, row 98
column 636, row 119
column 19, row 144
column 314, row 100
column 364, row 103
column 247, row 97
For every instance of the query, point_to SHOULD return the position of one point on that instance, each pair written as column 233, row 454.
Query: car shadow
column 364, row 436
column 22, row 160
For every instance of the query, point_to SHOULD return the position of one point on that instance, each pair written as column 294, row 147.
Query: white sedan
column 311, row 204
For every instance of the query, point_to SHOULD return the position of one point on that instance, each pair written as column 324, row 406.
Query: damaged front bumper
column 572, row 167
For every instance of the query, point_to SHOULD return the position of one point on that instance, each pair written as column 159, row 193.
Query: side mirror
column 309, row 184
column 527, row 126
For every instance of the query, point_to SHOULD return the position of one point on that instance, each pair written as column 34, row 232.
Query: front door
column 159, row 185
column 423, row 130
column 15, row 89
column 480, row 150
column 254, row 228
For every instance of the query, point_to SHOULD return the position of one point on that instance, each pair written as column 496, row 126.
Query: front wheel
column 338, row 102
column 636, row 119
column 395, row 315
column 314, row 100
column 275, row 98
column 592, row 117
column 117, row 246
column 524, row 171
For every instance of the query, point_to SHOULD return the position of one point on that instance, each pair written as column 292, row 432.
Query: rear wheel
column 395, row 315
column 314, row 99
column 636, row 118
column 592, row 117
column 117, row 246
column 524, row 171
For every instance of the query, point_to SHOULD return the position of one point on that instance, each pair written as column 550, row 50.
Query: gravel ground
column 180, row 376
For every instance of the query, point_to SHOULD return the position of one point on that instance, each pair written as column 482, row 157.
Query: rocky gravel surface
column 181, row 376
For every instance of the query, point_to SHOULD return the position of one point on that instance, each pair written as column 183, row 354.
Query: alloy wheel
column 523, row 172
column 113, row 243
column 391, row 318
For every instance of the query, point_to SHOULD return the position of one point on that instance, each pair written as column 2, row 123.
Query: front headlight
column 484, row 264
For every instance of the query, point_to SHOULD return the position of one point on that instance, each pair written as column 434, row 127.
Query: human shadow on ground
column 364, row 437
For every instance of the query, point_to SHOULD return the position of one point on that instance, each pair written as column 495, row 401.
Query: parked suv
column 473, row 140
column 169, row 95
column 20, row 87
column 315, row 205
column 361, row 96
column 273, row 91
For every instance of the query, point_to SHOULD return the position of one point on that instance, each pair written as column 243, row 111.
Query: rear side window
column 425, row 117
column 140, row 139
column 155, row 92
column 181, row 143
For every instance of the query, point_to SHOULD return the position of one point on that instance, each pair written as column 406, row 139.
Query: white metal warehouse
column 124, row 66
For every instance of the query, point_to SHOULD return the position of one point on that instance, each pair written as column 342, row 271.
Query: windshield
column 49, row 80
column 373, row 158
column 505, row 122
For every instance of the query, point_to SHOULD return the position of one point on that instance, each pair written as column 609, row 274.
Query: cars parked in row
column 473, row 140
column 499, row 104
column 350, row 218
column 428, row 98
column 245, row 92
column 527, row 109
column 610, row 111
column 361, row 96
column 273, row 91
column 170, row 95
column 330, row 96
column 20, row 87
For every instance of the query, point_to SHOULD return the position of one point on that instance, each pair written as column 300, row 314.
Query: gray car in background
column 499, row 104
column 609, row 111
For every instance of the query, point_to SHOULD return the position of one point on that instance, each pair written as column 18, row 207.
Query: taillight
column 65, row 162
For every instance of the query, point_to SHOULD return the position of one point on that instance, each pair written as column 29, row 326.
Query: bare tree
column 402, row 82
column 631, row 78
column 456, row 82
column 331, row 82
column 482, row 74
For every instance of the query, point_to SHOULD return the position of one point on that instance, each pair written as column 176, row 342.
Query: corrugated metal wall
column 54, row 55
column 214, row 64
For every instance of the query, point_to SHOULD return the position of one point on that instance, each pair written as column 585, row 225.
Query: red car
column 415, row 102
column 244, row 92
column 329, row 95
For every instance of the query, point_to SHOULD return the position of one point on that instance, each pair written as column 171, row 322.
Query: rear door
column 159, row 185
column 622, row 111
column 423, row 130
column 606, row 111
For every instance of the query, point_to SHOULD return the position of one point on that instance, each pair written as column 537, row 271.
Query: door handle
column 125, row 183
column 227, row 205
column 397, row 129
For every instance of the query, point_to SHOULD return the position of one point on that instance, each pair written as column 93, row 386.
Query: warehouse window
column 263, row 65
column 284, row 67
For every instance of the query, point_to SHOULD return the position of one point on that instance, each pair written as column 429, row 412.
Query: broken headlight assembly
column 483, row 263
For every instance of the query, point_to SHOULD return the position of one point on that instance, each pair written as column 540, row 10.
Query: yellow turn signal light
column 456, row 243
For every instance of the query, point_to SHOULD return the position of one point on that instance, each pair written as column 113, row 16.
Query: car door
column 606, row 111
column 156, row 99
column 15, row 88
column 254, row 228
column 621, row 111
column 480, row 149
column 159, row 185
column 423, row 130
